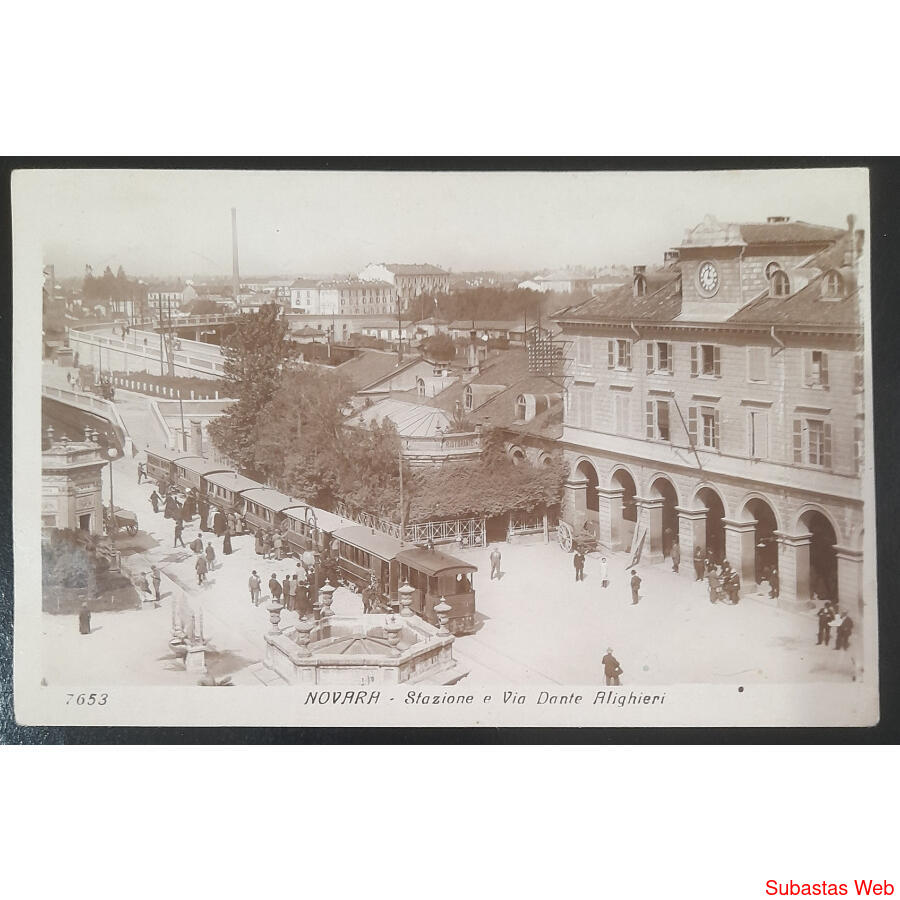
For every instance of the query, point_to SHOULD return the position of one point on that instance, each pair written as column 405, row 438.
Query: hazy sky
column 179, row 223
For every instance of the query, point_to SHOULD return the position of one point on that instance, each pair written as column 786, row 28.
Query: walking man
column 824, row 617
column 699, row 564
column 275, row 588
column 287, row 590
column 156, row 578
column 276, row 544
column 197, row 544
column 842, row 638
column 154, row 501
column 253, row 584
column 635, row 587
column 179, row 528
column 84, row 619
column 773, row 585
column 495, row 563
column 142, row 473
column 211, row 556
column 733, row 588
column 675, row 554
column 611, row 668
column 201, row 568
column 578, row 561
column 604, row 572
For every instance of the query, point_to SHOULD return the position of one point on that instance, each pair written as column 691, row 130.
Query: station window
column 706, row 360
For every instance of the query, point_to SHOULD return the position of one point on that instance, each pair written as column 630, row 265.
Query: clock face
column 709, row 278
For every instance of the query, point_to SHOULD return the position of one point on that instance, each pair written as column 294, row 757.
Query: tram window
column 433, row 585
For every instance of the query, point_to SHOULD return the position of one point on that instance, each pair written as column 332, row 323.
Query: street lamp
column 112, row 453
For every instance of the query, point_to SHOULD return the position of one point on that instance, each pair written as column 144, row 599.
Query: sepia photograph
column 462, row 448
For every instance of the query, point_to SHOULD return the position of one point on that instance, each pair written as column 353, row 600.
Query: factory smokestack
column 235, row 270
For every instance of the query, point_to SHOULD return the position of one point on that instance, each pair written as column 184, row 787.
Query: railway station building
column 718, row 401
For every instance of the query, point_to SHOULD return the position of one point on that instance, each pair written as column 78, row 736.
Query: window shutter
column 826, row 446
column 692, row 425
column 628, row 355
column 649, row 420
column 751, row 447
column 649, row 357
column 762, row 436
column 858, row 372
column 798, row 441
column 858, row 452
column 611, row 354
column 694, row 350
column 824, row 370
column 717, row 365
column 670, row 358
column 716, row 429
column 807, row 368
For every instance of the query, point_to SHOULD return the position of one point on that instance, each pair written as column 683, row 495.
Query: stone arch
column 623, row 511
column 516, row 454
column 586, row 468
column 616, row 470
column 759, row 546
column 706, row 485
column 799, row 527
column 708, row 496
column 819, row 555
column 661, row 516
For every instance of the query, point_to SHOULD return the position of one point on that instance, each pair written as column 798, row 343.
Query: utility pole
column 235, row 268
column 161, row 336
column 170, row 341
column 399, row 332
column 402, row 511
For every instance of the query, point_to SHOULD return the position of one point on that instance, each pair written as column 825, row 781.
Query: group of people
column 578, row 560
column 297, row 591
column 271, row 544
column 834, row 622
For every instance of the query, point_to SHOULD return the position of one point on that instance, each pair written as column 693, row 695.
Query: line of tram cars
column 361, row 551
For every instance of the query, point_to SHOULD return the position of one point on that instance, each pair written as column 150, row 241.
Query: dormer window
column 832, row 286
column 640, row 286
column 521, row 408
column 780, row 284
column 420, row 387
column 468, row 399
column 771, row 269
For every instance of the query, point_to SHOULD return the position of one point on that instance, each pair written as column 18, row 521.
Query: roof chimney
column 851, row 225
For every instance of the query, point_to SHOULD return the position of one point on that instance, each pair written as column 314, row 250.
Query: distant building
column 409, row 280
column 350, row 296
column 166, row 300
column 560, row 282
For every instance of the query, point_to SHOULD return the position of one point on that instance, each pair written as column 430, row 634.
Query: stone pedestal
column 740, row 549
column 850, row 581
column 575, row 500
column 650, row 514
column 195, row 661
column 691, row 533
column 611, row 528
column 793, row 569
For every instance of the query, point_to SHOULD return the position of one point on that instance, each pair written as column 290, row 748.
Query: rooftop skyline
column 177, row 223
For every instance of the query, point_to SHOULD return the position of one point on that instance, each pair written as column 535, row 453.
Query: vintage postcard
column 418, row 448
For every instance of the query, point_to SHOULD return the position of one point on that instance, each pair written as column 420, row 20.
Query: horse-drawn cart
column 125, row 520
column 586, row 537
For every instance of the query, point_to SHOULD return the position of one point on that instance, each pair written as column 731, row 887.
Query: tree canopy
column 255, row 356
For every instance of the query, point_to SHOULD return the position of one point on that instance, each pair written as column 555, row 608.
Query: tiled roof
column 367, row 368
column 662, row 302
column 787, row 232
column 806, row 306
column 304, row 283
column 414, row 269
column 410, row 419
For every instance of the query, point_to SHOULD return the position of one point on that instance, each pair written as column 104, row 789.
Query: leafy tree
column 439, row 347
column 255, row 356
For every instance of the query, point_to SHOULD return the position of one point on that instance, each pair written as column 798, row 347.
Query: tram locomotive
column 364, row 554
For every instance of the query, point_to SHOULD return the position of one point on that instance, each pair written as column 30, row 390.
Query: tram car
column 161, row 464
column 224, row 490
column 364, row 552
column 264, row 507
column 310, row 528
column 190, row 472
column 435, row 574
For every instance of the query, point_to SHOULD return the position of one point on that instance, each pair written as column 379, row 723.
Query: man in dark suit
column 611, row 668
